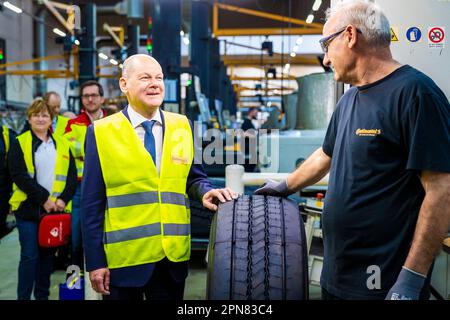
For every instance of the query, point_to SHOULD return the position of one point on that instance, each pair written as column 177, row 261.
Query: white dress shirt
column 136, row 121
column 45, row 162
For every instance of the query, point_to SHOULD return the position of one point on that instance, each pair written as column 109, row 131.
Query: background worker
column 140, row 169
column 387, row 148
column 250, row 140
column 91, row 93
column 6, row 139
column 44, row 175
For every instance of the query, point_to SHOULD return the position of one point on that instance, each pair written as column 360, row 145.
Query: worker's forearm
column 431, row 229
column 311, row 171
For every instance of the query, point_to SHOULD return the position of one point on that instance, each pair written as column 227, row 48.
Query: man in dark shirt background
column 387, row 148
column 251, row 115
column 250, row 135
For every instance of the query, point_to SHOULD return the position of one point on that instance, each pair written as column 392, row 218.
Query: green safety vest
column 61, row 169
column 76, row 139
column 147, row 216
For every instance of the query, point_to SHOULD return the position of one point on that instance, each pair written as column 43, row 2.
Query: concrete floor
column 9, row 261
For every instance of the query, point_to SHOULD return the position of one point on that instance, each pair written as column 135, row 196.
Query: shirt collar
column 136, row 119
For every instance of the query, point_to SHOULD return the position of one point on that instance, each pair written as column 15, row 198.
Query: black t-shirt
column 381, row 136
column 247, row 124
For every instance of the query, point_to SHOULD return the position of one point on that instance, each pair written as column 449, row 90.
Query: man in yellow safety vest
column 138, row 174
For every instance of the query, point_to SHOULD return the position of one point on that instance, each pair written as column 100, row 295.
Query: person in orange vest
column 91, row 95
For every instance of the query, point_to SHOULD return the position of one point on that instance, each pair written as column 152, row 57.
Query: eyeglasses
column 88, row 96
column 325, row 42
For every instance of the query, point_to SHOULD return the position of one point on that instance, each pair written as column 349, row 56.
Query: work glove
column 273, row 188
column 407, row 287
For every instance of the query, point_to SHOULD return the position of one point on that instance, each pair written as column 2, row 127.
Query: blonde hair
column 37, row 106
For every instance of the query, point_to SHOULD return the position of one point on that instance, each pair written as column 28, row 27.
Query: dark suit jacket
column 93, row 203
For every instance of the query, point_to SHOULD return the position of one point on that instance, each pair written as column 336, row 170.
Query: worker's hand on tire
column 274, row 188
column 407, row 287
column 215, row 196
column 100, row 280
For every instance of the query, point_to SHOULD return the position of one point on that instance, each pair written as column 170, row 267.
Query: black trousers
column 161, row 286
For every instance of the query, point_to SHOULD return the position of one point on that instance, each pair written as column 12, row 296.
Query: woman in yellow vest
column 44, row 175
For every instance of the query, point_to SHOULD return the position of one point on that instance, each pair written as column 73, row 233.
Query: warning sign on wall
column 436, row 37
column 394, row 33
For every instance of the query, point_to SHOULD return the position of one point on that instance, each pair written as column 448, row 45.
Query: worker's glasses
column 89, row 96
column 325, row 42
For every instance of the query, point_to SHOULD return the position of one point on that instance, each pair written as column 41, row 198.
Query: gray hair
column 366, row 16
column 128, row 63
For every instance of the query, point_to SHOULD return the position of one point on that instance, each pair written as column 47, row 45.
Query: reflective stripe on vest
column 60, row 171
column 147, row 216
column 76, row 138
column 147, row 198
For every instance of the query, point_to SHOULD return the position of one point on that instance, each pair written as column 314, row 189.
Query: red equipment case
column 54, row 230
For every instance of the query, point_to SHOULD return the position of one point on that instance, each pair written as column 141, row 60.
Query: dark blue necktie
column 149, row 139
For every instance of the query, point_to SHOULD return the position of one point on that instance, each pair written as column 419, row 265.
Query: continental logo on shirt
column 368, row 132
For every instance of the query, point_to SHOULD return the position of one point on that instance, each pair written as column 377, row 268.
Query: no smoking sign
column 436, row 37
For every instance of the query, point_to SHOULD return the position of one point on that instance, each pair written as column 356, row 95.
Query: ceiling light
column 103, row 56
column 12, row 7
column 77, row 42
column 287, row 66
column 316, row 5
column 182, row 33
column 299, row 41
column 114, row 62
column 310, row 18
column 59, row 32
column 293, row 54
column 186, row 40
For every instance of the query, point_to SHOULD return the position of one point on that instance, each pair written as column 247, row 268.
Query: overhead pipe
column 40, row 44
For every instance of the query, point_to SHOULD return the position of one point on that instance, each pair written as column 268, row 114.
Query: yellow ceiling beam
column 267, row 15
column 266, row 31
column 255, row 60
column 237, row 78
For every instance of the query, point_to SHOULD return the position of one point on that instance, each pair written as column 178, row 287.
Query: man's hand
column 212, row 197
column 273, row 188
column 407, row 287
column 100, row 280
column 60, row 205
column 49, row 205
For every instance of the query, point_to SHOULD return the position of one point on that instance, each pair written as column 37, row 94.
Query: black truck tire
column 257, row 251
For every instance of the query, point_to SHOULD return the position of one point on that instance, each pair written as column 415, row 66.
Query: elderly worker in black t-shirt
column 387, row 149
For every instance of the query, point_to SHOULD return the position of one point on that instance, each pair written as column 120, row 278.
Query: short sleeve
column 330, row 137
column 426, row 133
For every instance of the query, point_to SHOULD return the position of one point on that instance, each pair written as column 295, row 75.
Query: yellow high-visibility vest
column 61, row 169
column 76, row 139
column 5, row 133
column 147, row 216
column 61, row 124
